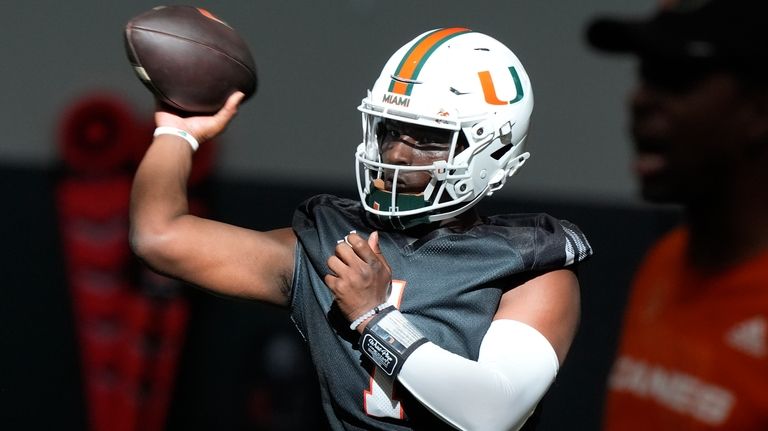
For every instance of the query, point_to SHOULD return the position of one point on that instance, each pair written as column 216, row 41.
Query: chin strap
column 380, row 199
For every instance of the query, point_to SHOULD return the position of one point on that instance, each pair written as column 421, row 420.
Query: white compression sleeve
column 515, row 368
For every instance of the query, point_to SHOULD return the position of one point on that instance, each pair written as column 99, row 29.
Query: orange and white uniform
column 693, row 354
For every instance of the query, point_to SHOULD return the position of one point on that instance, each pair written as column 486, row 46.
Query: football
column 189, row 58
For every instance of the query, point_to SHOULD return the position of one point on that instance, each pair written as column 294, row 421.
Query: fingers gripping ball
column 189, row 59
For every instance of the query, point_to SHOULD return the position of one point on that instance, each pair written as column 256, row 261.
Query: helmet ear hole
column 498, row 154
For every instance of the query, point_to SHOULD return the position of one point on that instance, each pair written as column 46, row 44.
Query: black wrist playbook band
column 388, row 340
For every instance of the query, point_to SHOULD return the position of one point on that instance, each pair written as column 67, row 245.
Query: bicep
column 225, row 259
column 550, row 303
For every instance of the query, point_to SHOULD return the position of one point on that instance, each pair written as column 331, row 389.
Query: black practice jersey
column 447, row 283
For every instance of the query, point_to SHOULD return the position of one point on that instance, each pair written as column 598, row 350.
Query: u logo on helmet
column 489, row 90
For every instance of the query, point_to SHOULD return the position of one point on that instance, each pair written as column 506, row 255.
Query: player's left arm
column 519, row 356
column 549, row 303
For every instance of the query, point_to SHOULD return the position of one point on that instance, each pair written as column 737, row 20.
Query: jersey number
column 378, row 399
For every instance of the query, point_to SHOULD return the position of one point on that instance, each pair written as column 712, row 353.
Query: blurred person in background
column 693, row 352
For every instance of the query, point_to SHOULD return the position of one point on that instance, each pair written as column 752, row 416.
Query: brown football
column 189, row 58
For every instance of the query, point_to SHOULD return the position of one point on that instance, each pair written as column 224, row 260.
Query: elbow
column 151, row 244
column 140, row 243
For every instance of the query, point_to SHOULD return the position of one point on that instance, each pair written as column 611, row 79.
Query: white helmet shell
column 455, row 79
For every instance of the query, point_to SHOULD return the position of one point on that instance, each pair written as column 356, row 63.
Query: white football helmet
column 461, row 81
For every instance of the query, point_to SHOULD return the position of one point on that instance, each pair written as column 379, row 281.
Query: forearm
column 499, row 391
column 159, row 193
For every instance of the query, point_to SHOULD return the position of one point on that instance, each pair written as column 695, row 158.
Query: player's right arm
column 222, row 258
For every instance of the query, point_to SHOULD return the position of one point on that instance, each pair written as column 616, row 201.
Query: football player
column 418, row 312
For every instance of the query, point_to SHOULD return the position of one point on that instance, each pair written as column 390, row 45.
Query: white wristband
column 370, row 313
column 165, row 130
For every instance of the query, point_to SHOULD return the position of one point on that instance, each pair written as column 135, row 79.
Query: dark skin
column 258, row 265
column 702, row 141
column 406, row 144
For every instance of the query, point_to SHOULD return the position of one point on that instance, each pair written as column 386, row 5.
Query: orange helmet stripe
column 416, row 57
